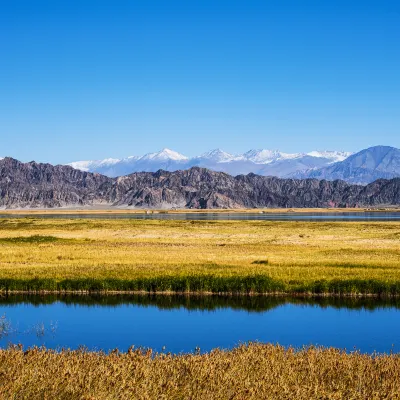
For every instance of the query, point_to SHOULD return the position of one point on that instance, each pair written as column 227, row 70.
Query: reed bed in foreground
column 253, row 371
column 200, row 256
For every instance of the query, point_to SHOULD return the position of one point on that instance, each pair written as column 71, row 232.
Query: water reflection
column 210, row 216
column 200, row 302
column 181, row 323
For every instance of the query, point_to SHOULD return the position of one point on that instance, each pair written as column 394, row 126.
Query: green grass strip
column 204, row 283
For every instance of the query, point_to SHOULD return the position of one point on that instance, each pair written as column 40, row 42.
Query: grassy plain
column 253, row 371
column 200, row 256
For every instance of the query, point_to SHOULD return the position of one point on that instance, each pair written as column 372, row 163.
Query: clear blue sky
column 94, row 79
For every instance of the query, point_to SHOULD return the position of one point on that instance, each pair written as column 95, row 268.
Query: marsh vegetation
column 200, row 256
column 253, row 371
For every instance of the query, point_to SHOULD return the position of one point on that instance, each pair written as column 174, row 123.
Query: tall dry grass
column 253, row 371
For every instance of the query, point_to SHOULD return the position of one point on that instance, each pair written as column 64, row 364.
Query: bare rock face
column 43, row 185
column 36, row 185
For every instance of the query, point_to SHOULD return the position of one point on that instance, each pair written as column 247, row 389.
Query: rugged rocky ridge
column 43, row 185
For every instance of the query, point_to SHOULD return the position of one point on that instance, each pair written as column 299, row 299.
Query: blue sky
column 95, row 79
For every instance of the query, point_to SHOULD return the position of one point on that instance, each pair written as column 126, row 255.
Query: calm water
column 207, row 216
column 183, row 323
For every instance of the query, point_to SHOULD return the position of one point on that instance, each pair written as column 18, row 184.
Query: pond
column 183, row 323
column 226, row 216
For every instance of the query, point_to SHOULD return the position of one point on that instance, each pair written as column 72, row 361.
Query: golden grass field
column 295, row 254
column 254, row 371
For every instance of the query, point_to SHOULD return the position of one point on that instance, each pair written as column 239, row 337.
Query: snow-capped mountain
column 362, row 168
column 335, row 156
column 259, row 161
column 216, row 155
column 262, row 156
column 92, row 165
column 164, row 155
column 165, row 159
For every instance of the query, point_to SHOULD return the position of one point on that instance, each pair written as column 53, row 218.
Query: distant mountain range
column 262, row 162
column 361, row 168
column 34, row 185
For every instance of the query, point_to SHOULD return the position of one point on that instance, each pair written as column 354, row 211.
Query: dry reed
column 253, row 371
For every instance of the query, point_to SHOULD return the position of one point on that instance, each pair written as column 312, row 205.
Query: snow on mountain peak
column 264, row 156
column 261, row 156
column 263, row 161
column 165, row 154
column 217, row 155
column 335, row 156
column 82, row 165
column 110, row 161
column 90, row 165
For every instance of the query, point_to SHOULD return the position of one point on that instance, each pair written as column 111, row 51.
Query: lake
column 210, row 216
column 182, row 323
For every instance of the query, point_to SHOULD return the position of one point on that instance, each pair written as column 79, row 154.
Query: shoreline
column 253, row 286
column 201, row 294
column 109, row 210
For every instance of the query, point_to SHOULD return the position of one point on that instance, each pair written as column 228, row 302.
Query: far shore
column 113, row 210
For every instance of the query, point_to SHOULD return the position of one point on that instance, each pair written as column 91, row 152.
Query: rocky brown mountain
column 34, row 185
column 44, row 185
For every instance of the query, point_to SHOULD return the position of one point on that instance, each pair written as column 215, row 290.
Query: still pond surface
column 180, row 324
column 210, row 216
